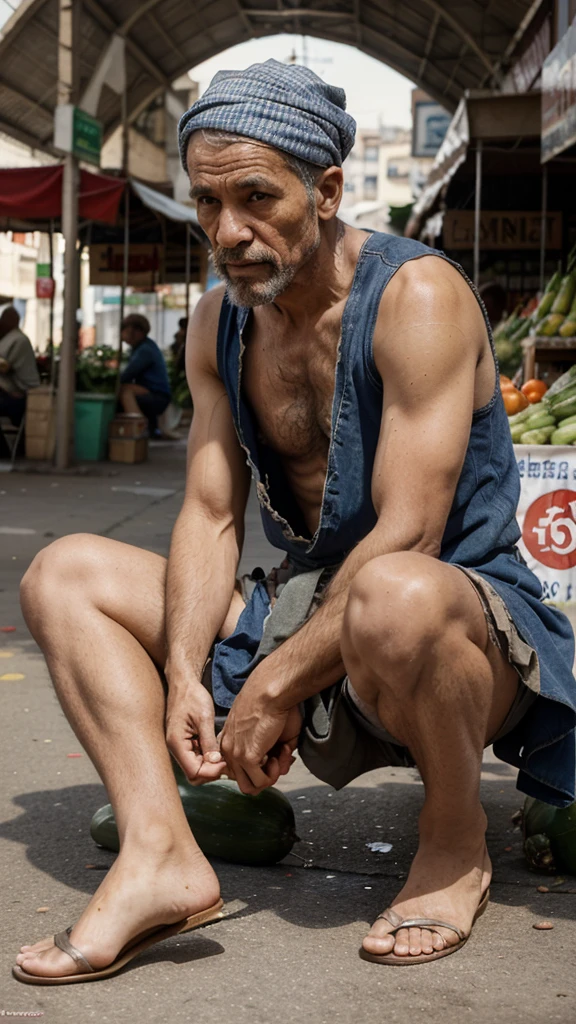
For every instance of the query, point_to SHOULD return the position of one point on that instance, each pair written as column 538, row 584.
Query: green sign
column 43, row 270
column 86, row 136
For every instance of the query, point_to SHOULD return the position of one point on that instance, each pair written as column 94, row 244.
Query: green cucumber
column 564, row 410
column 516, row 431
column 226, row 823
column 564, row 435
column 541, row 419
column 566, row 422
column 525, row 414
column 550, row 836
column 541, row 436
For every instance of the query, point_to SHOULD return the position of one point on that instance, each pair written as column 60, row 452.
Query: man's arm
column 427, row 344
column 205, row 548
column 139, row 361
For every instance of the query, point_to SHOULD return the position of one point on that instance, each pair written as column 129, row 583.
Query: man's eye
column 258, row 196
column 205, row 200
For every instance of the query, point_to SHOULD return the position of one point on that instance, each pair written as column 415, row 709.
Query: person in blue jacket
column 144, row 382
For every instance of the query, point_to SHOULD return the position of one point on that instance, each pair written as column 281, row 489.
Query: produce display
column 226, row 823
column 541, row 415
column 549, row 836
column 553, row 316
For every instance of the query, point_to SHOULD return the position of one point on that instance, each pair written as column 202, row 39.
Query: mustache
column 240, row 253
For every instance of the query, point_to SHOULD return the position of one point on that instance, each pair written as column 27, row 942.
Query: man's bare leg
column 416, row 648
column 128, row 397
column 96, row 607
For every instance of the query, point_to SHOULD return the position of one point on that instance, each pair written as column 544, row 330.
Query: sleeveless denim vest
column 481, row 531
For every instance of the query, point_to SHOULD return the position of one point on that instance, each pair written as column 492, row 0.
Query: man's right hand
column 190, row 734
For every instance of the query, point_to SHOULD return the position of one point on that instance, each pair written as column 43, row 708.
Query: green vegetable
column 541, row 419
column 568, row 329
column 565, row 294
column 565, row 381
column 564, row 435
column 564, row 410
column 555, row 400
column 516, row 431
column 541, row 436
column 550, row 325
column 525, row 414
column 550, row 836
column 547, row 300
column 522, row 330
column 566, row 422
column 226, row 823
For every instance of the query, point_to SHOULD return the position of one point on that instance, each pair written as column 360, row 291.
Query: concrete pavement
column 287, row 950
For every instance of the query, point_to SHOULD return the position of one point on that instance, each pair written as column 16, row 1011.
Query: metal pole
column 477, row 211
column 187, row 270
column 125, row 269
column 67, row 368
column 51, row 320
column 543, row 219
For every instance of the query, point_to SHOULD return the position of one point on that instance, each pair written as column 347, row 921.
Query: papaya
column 550, row 325
column 549, row 836
column 226, row 823
column 568, row 329
column 565, row 294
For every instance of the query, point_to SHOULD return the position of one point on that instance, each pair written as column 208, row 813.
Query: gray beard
column 262, row 293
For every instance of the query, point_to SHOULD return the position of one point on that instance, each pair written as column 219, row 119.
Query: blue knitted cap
column 284, row 105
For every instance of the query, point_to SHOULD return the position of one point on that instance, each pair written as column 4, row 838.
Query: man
column 18, row 370
column 355, row 375
column 144, row 381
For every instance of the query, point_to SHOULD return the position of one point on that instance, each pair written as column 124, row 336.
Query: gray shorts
column 342, row 737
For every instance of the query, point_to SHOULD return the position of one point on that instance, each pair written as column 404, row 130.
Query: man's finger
column 208, row 743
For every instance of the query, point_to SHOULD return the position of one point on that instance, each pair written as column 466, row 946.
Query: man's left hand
column 258, row 741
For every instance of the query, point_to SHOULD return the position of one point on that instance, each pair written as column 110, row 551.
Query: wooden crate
column 128, row 449
column 40, row 427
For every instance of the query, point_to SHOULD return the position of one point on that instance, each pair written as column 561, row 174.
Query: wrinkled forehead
column 215, row 153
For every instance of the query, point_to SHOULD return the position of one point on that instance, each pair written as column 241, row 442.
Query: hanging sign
column 77, row 132
column 547, row 517
column 145, row 264
column 501, row 229
column 45, row 284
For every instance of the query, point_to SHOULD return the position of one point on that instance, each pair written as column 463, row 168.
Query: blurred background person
column 18, row 370
column 144, row 382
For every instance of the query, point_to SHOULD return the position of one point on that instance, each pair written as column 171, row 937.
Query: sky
column 374, row 91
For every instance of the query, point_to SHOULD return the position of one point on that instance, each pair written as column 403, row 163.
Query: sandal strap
column 63, row 942
column 391, row 917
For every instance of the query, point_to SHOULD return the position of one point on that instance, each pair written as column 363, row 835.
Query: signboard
column 559, row 96
column 45, row 285
column 501, row 229
column 429, row 126
column 77, row 132
column 547, row 517
column 145, row 264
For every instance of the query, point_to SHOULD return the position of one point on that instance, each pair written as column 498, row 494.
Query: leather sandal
column 88, row 973
column 431, row 924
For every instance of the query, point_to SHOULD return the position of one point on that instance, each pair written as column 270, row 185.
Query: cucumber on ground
column 226, row 823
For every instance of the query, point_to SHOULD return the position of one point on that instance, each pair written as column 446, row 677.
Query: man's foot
column 138, row 893
column 443, row 884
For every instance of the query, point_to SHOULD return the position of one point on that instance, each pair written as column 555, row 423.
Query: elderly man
column 18, row 370
column 144, row 381
column 352, row 375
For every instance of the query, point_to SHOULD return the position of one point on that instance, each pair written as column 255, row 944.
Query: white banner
column 547, row 517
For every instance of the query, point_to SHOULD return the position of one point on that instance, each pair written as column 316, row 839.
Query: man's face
column 132, row 335
column 256, row 213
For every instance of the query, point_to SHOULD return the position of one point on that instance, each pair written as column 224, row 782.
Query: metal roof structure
column 443, row 46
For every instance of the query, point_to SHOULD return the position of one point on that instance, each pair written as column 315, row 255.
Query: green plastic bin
column 92, row 416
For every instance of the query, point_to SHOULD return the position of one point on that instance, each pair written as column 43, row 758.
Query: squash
column 226, row 823
column 549, row 836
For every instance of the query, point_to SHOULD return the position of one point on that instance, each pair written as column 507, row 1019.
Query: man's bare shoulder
column 430, row 293
column 203, row 330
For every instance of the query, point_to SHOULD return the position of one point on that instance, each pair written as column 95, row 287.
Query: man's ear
column 329, row 188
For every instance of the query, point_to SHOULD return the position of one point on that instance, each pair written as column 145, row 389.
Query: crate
column 128, row 425
column 128, row 449
column 40, row 428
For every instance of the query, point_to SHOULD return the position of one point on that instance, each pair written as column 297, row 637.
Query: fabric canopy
column 35, row 193
column 164, row 205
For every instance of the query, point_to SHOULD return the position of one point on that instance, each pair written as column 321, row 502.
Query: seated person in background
column 18, row 370
column 178, row 346
column 144, row 381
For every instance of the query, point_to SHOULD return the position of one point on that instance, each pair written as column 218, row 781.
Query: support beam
column 429, row 43
column 140, row 55
column 161, row 31
column 463, row 32
column 34, row 105
column 243, row 15
column 477, row 212
column 296, row 12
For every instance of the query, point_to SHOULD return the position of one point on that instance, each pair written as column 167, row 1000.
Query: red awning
column 31, row 193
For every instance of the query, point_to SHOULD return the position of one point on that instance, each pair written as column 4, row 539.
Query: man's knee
column 56, row 571
column 396, row 610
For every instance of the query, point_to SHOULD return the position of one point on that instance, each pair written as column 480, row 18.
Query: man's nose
column 232, row 229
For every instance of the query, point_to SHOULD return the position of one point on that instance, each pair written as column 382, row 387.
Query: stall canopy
column 502, row 119
column 35, row 194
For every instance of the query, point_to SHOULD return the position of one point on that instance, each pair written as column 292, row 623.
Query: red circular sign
column 549, row 530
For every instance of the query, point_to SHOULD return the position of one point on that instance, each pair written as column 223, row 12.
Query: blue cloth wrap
column 284, row 105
